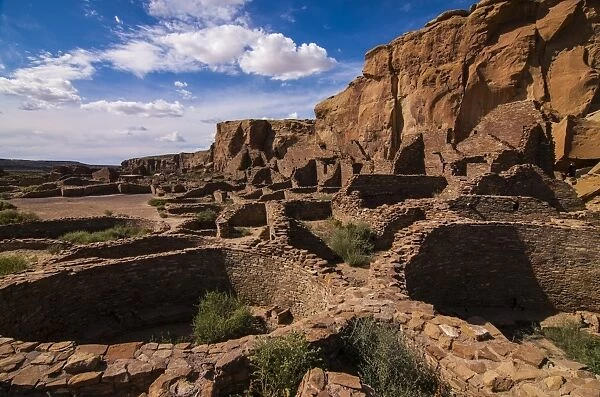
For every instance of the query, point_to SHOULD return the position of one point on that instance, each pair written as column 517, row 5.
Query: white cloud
column 174, row 136
column 223, row 48
column 180, row 84
column 138, row 57
column 293, row 115
column 158, row 108
column 278, row 56
column 206, row 11
column 118, row 20
column 48, row 83
column 185, row 94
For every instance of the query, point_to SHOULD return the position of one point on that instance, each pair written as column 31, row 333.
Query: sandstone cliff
column 443, row 80
column 508, row 82
column 168, row 163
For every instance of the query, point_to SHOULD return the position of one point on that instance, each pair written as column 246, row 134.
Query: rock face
column 443, row 80
column 169, row 163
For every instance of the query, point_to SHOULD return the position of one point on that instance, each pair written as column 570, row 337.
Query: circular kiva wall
column 529, row 266
column 57, row 227
column 98, row 302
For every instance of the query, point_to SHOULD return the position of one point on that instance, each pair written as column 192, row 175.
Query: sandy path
column 74, row 207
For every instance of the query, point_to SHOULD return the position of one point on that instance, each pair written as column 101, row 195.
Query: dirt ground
column 74, row 207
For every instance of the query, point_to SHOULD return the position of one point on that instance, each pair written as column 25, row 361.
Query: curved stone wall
column 57, row 227
column 95, row 302
column 489, row 264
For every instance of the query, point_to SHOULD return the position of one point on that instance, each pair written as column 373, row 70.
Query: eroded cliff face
column 443, row 80
column 168, row 163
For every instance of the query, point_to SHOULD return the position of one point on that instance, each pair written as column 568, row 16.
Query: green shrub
column 5, row 205
column 32, row 188
column 352, row 242
column 577, row 344
column 108, row 213
column 114, row 233
column 386, row 363
column 208, row 215
column 157, row 202
column 163, row 214
column 220, row 317
column 13, row 263
column 280, row 363
column 241, row 231
column 14, row 216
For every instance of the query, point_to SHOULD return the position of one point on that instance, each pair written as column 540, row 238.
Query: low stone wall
column 307, row 210
column 502, row 208
column 43, row 193
column 241, row 215
column 96, row 301
column 32, row 244
column 375, row 190
column 513, row 265
column 57, row 227
column 130, row 247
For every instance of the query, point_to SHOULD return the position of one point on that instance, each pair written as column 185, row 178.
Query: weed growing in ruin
column 352, row 242
column 54, row 249
column 114, row 233
column 387, row 364
column 157, row 202
column 242, row 231
column 207, row 215
column 13, row 216
column 280, row 363
column 108, row 213
column 163, row 214
column 220, row 317
column 577, row 344
column 12, row 264
column 5, row 205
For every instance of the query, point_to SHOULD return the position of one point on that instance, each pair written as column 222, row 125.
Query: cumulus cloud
column 173, row 137
column 180, row 84
column 293, row 115
column 278, row 56
column 225, row 47
column 158, row 108
column 48, row 82
column 207, row 11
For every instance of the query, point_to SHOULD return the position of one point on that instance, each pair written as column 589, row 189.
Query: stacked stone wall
column 511, row 265
column 57, row 227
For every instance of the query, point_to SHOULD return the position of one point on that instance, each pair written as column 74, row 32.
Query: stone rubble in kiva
column 469, row 147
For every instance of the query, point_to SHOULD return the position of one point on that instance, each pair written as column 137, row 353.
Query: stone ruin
column 446, row 147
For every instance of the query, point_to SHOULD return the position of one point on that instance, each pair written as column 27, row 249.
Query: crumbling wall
column 512, row 265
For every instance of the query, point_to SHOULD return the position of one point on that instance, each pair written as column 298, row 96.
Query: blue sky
column 100, row 81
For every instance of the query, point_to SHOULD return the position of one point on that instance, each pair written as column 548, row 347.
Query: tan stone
column 530, row 355
column 116, row 372
column 496, row 382
column 29, row 376
column 11, row 363
column 98, row 350
column 465, row 351
column 449, row 331
column 81, row 362
column 529, row 390
column 432, row 331
column 122, row 351
column 85, row 379
column 342, row 379
column 554, row 383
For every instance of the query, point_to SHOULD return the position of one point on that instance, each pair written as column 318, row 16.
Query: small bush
column 32, row 188
column 208, row 215
column 12, row 264
column 386, row 363
column 577, row 344
column 163, row 214
column 157, row 202
column 114, row 233
column 5, row 205
column 352, row 242
column 13, row 216
column 241, row 232
column 221, row 317
column 54, row 249
column 280, row 363
column 108, row 213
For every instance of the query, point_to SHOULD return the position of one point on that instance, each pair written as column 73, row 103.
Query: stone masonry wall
column 57, row 227
column 97, row 301
column 531, row 266
column 376, row 190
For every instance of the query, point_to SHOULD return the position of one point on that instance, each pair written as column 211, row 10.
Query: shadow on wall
column 102, row 302
column 462, row 266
